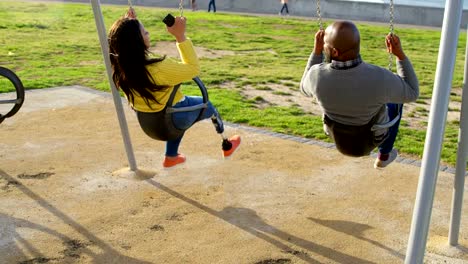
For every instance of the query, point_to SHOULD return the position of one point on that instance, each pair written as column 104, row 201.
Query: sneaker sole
column 175, row 166
column 394, row 160
column 180, row 165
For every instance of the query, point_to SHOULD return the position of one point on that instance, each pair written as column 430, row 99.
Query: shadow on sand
column 356, row 230
column 73, row 247
column 248, row 220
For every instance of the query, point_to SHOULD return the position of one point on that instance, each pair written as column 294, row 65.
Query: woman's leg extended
column 173, row 157
column 184, row 120
column 393, row 111
column 172, row 147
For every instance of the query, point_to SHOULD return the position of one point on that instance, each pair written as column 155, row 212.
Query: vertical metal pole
column 435, row 132
column 115, row 94
column 462, row 153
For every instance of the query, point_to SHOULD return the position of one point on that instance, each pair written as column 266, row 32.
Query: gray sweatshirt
column 354, row 96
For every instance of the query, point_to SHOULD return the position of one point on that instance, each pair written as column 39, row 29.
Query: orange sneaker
column 170, row 162
column 234, row 142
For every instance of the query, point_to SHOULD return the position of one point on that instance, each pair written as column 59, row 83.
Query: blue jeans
column 393, row 110
column 212, row 3
column 183, row 120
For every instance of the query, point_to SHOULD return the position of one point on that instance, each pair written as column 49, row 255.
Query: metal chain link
column 392, row 17
column 319, row 15
column 181, row 8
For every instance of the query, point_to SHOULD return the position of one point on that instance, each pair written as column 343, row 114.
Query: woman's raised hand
column 178, row 29
column 131, row 13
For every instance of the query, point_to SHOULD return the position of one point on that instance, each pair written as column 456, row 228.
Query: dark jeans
column 285, row 6
column 393, row 110
column 183, row 120
column 212, row 3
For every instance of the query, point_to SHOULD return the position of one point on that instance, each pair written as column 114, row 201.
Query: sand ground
column 66, row 195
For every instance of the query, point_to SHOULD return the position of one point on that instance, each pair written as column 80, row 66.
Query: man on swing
column 355, row 96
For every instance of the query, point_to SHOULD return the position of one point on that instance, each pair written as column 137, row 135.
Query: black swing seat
column 159, row 125
column 10, row 76
column 357, row 141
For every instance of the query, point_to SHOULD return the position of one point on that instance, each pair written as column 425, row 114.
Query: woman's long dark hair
column 129, row 57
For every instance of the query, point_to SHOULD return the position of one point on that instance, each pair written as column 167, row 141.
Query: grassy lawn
column 52, row 44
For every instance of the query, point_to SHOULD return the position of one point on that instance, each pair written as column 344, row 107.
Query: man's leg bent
column 393, row 110
column 387, row 154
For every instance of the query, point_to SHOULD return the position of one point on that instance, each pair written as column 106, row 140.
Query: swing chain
column 319, row 15
column 392, row 16
column 181, row 8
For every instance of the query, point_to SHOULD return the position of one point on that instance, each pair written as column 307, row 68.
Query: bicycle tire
column 15, row 80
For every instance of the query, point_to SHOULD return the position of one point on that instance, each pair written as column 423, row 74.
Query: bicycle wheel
column 9, row 105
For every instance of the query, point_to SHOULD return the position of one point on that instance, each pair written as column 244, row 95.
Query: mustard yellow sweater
column 170, row 72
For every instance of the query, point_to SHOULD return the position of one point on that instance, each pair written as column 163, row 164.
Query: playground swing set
column 432, row 149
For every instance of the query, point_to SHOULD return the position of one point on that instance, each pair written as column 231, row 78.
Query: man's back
column 354, row 96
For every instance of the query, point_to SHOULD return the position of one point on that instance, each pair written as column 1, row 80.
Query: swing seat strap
column 160, row 126
column 203, row 106
column 390, row 123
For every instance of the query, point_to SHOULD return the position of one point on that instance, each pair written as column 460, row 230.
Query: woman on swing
column 149, row 81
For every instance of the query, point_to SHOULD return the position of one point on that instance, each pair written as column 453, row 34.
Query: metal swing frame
column 433, row 144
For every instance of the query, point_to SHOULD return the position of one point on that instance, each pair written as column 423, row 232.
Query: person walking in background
column 285, row 7
column 193, row 5
column 212, row 3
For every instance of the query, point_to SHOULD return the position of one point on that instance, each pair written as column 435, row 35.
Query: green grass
column 52, row 44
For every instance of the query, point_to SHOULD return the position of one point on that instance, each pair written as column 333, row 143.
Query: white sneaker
column 384, row 163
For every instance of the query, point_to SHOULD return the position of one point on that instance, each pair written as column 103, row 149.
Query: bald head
column 342, row 40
